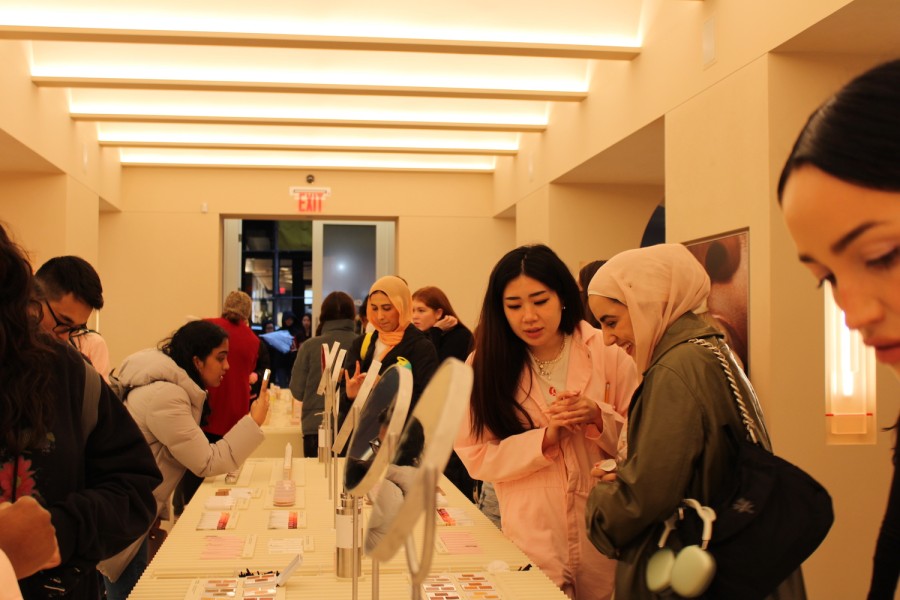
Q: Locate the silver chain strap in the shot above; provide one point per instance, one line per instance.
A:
(739, 398)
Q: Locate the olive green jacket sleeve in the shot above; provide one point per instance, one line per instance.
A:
(666, 425)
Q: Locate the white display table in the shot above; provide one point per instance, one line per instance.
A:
(282, 426)
(248, 542)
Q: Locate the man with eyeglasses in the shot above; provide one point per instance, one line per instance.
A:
(69, 446)
(71, 291)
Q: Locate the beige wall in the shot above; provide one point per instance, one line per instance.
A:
(728, 127)
(161, 255)
(158, 268)
(585, 222)
(110, 179)
(82, 223)
(717, 170)
(533, 218)
(625, 96)
(857, 476)
(33, 207)
(590, 222)
(50, 215)
(39, 118)
(724, 151)
(455, 254)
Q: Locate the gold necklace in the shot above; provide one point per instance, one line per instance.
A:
(545, 367)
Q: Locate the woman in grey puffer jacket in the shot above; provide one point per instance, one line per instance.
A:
(167, 393)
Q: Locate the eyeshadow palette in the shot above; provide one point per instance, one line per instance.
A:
(460, 586)
(261, 587)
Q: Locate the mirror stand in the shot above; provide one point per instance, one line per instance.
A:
(348, 551)
(390, 447)
(419, 566)
(376, 584)
(333, 430)
(334, 491)
(326, 426)
(330, 378)
(357, 544)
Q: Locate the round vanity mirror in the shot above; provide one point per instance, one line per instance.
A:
(424, 446)
(381, 418)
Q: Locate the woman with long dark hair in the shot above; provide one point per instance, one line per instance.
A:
(840, 191)
(548, 402)
(166, 395)
(228, 402)
(336, 324)
(67, 442)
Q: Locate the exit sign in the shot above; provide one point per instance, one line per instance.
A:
(310, 200)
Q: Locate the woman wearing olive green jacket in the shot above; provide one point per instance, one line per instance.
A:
(648, 302)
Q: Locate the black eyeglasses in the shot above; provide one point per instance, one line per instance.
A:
(75, 335)
(64, 328)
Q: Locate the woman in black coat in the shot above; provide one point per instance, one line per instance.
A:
(392, 341)
(433, 315)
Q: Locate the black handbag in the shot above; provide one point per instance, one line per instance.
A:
(770, 520)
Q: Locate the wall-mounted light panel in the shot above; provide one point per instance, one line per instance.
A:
(849, 381)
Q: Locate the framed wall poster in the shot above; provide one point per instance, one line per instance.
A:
(726, 258)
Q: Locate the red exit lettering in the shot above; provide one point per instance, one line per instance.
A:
(310, 203)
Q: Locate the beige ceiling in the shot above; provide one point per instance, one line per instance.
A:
(353, 84)
(399, 84)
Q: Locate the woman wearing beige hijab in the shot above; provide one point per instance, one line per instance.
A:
(651, 302)
(389, 310)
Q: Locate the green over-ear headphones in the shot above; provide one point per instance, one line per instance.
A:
(689, 572)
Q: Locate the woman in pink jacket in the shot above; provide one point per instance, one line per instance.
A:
(548, 402)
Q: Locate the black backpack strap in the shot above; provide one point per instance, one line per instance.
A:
(91, 402)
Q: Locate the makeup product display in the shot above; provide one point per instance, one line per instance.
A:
(244, 531)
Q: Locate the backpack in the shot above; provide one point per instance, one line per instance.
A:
(90, 403)
(120, 389)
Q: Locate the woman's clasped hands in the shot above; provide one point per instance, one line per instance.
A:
(570, 409)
